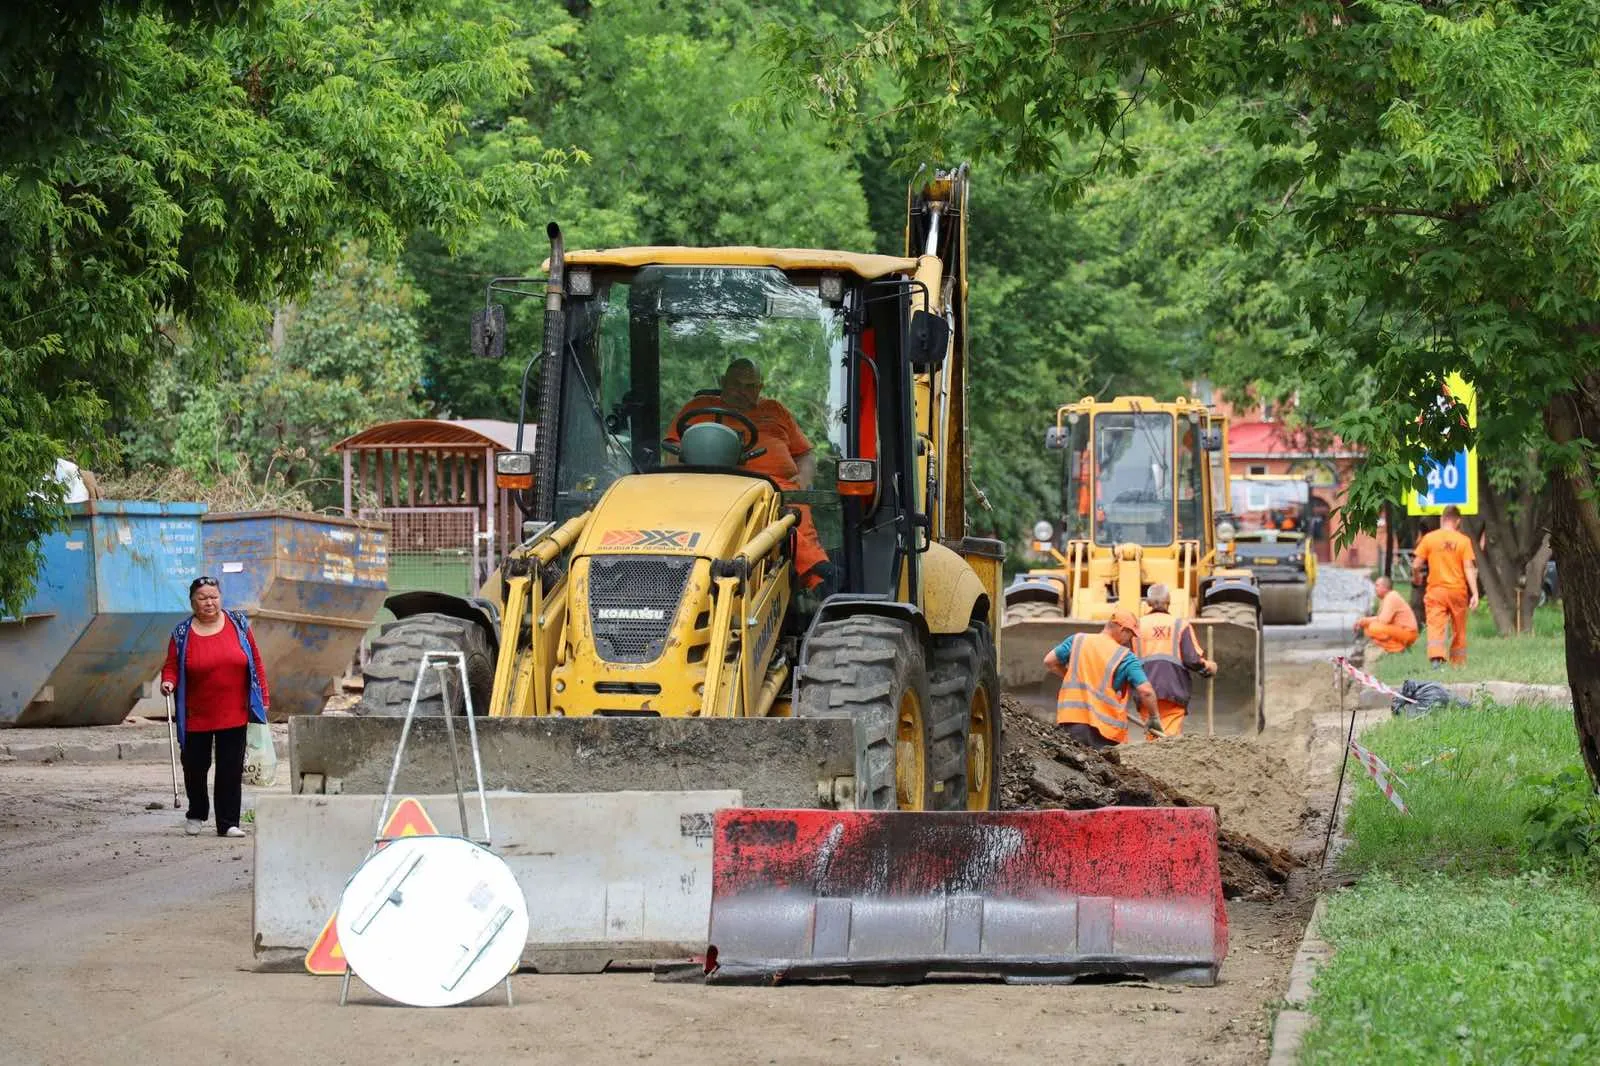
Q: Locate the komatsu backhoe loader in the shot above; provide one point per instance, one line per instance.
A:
(1144, 500)
(657, 579)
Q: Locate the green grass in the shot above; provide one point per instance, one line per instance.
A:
(1473, 935)
(1473, 777)
(1493, 970)
(1539, 658)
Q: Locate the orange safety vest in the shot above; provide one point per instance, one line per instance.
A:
(1087, 695)
(1161, 638)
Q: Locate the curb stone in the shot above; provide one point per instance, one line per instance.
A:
(1292, 1023)
(133, 751)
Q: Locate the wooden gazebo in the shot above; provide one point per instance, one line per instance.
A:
(432, 480)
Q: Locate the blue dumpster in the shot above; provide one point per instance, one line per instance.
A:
(311, 585)
(113, 585)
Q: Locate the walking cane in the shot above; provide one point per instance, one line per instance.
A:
(172, 748)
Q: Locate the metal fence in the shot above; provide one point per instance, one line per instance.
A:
(436, 549)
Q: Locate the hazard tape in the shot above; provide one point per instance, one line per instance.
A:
(1368, 680)
(1380, 773)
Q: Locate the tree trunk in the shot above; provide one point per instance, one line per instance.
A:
(1572, 419)
(1516, 547)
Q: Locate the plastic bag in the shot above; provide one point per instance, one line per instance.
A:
(1429, 696)
(260, 757)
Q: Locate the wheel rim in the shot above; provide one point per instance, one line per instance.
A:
(910, 765)
(980, 740)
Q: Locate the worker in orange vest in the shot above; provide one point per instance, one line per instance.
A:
(1394, 627)
(1169, 652)
(1452, 586)
(1099, 671)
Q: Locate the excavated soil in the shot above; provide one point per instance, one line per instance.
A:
(1253, 789)
(1043, 770)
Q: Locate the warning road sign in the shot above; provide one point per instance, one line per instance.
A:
(408, 819)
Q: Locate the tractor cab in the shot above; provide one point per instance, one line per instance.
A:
(650, 334)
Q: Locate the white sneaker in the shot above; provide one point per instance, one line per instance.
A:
(193, 827)
(234, 831)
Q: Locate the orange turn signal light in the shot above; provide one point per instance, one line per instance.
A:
(513, 481)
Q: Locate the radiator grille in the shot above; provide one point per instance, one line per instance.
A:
(633, 600)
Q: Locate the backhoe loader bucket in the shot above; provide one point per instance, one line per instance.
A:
(1025, 896)
(774, 762)
(1231, 702)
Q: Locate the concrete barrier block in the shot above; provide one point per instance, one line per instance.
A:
(610, 877)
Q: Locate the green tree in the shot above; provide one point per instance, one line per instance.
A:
(220, 167)
(651, 103)
(346, 356)
(1442, 205)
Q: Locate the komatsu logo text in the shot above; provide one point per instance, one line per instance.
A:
(630, 614)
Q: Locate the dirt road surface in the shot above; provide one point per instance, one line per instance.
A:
(126, 941)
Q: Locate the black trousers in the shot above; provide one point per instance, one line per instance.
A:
(1087, 735)
(230, 774)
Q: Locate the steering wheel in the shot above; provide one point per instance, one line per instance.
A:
(747, 438)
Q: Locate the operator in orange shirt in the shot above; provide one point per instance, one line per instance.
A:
(1452, 586)
(788, 460)
(1394, 627)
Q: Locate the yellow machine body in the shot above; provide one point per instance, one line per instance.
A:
(1155, 521)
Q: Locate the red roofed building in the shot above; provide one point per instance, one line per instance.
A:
(1260, 443)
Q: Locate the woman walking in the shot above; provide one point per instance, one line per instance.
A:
(215, 668)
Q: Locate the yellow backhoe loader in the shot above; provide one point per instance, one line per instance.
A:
(1144, 500)
(658, 577)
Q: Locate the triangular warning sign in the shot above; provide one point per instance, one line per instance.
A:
(408, 819)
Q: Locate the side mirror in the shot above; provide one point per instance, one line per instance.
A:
(1211, 438)
(930, 339)
(489, 332)
(1055, 438)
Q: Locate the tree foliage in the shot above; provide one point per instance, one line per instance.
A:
(222, 165)
(1441, 203)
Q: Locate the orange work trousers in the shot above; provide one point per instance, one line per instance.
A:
(808, 550)
(1171, 719)
(1391, 638)
(1447, 607)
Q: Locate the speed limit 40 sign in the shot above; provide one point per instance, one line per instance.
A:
(1454, 482)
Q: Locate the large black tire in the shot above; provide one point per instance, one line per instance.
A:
(397, 652)
(1030, 611)
(872, 671)
(967, 725)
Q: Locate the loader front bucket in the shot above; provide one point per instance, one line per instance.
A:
(1024, 644)
(1025, 896)
(1231, 702)
(773, 762)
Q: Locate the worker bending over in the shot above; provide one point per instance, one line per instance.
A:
(1452, 586)
(1098, 671)
(1169, 652)
(1394, 627)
